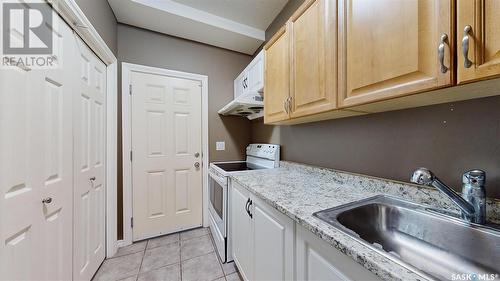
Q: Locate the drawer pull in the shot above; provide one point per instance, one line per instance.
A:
(444, 40)
(465, 46)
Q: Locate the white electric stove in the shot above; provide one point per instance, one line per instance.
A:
(258, 156)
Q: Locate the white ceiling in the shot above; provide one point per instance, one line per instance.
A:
(237, 25)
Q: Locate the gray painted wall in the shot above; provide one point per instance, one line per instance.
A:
(449, 138)
(103, 19)
(149, 48)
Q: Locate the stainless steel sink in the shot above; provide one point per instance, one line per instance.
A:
(435, 245)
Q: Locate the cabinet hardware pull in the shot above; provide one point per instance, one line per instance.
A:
(444, 40)
(290, 99)
(92, 179)
(246, 206)
(250, 213)
(47, 200)
(465, 46)
(284, 105)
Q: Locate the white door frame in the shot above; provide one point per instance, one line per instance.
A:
(127, 69)
(76, 19)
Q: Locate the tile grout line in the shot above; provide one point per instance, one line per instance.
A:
(143, 254)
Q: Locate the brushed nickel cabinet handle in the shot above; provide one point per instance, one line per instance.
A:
(444, 40)
(290, 104)
(465, 46)
(285, 105)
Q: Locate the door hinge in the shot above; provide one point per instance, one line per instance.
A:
(132, 222)
(130, 155)
(130, 89)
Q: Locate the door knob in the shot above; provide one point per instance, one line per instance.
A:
(196, 165)
(47, 200)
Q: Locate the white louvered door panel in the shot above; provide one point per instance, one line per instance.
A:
(36, 163)
(166, 136)
(89, 142)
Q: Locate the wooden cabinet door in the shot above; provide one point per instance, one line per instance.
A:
(241, 231)
(273, 243)
(276, 77)
(482, 41)
(313, 32)
(389, 48)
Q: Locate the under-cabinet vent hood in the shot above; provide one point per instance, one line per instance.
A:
(250, 105)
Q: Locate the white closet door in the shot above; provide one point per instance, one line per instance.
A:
(89, 141)
(36, 164)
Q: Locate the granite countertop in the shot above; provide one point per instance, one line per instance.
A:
(299, 190)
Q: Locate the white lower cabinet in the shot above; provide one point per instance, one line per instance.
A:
(269, 246)
(319, 261)
(263, 238)
(241, 231)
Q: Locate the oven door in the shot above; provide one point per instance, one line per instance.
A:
(217, 209)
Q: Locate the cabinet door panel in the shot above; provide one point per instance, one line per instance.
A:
(484, 39)
(276, 77)
(317, 260)
(256, 74)
(273, 244)
(241, 231)
(389, 48)
(314, 77)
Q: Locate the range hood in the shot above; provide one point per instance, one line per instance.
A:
(249, 105)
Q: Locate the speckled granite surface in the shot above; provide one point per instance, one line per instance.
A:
(299, 190)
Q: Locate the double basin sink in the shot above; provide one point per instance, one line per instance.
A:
(436, 246)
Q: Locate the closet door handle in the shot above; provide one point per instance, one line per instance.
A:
(444, 40)
(465, 46)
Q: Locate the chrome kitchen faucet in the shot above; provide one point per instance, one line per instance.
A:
(472, 203)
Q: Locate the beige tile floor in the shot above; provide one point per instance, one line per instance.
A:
(185, 256)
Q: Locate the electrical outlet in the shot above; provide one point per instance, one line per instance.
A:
(220, 145)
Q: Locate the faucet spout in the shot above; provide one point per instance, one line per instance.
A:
(424, 176)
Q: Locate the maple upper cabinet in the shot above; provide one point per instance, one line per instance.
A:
(277, 77)
(390, 48)
(478, 39)
(313, 35)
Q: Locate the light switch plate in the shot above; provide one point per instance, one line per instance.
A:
(220, 145)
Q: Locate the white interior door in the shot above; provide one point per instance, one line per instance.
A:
(166, 145)
(89, 142)
(36, 164)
